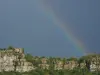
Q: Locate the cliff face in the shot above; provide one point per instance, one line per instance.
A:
(13, 60)
(92, 64)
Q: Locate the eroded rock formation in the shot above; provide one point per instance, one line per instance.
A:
(13, 60)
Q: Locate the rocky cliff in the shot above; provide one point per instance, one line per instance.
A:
(14, 60)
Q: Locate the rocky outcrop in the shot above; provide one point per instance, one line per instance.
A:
(95, 64)
(70, 65)
(13, 60)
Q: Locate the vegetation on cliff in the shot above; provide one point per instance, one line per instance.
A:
(52, 72)
(85, 65)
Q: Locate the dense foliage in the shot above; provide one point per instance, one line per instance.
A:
(52, 72)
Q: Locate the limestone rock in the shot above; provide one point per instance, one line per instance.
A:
(13, 60)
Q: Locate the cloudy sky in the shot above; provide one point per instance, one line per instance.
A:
(30, 24)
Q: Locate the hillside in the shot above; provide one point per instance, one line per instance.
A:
(14, 59)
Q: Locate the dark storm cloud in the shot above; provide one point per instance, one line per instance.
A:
(22, 24)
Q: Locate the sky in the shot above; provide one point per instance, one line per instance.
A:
(30, 24)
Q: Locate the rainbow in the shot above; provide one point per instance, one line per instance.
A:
(48, 11)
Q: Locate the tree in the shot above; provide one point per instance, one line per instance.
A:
(29, 57)
(88, 62)
(36, 62)
(81, 60)
(10, 47)
(23, 50)
(64, 62)
(51, 62)
(72, 59)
